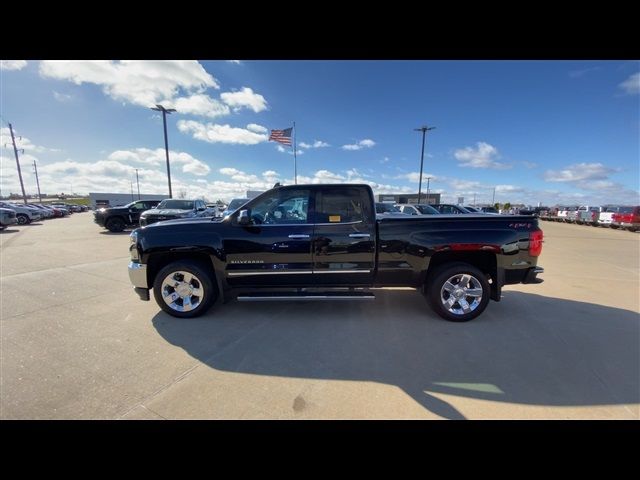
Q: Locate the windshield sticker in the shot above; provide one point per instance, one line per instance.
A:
(334, 218)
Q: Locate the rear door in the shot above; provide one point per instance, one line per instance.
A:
(344, 236)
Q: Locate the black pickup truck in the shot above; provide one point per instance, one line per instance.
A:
(302, 242)
(116, 219)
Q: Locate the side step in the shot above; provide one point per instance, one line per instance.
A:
(272, 296)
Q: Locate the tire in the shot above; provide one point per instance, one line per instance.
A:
(23, 219)
(452, 274)
(115, 224)
(172, 300)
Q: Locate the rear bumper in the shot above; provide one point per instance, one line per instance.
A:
(532, 275)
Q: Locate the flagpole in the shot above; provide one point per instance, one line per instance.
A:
(295, 159)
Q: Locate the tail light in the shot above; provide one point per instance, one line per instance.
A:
(535, 243)
(594, 216)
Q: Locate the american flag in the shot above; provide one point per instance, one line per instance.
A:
(281, 136)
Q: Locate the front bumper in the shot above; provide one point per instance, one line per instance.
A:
(138, 276)
(8, 221)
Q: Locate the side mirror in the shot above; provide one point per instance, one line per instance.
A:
(201, 209)
(244, 217)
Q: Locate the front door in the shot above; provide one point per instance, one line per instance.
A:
(275, 249)
(344, 237)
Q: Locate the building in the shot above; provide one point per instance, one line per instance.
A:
(106, 200)
(434, 198)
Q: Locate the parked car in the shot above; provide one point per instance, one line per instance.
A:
(24, 215)
(171, 208)
(7, 218)
(234, 204)
(63, 208)
(605, 217)
(450, 209)
(472, 209)
(627, 217)
(276, 241)
(417, 209)
(489, 210)
(116, 219)
(387, 209)
(588, 215)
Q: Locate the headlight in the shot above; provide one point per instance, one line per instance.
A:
(133, 238)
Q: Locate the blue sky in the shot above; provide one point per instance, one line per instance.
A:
(556, 132)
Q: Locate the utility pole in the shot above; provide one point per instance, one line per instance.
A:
(131, 183)
(474, 199)
(15, 151)
(428, 202)
(160, 108)
(35, 169)
(424, 130)
(138, 182)
(493, 200)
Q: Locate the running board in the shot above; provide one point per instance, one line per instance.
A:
(273, 296)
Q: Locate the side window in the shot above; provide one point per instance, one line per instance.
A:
(139, 206)
(340, 205)
(281, 207)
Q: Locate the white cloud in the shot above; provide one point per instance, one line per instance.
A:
(316, 144)
(579, 172)
(139, 82)
(214, 133)
(289, 150)
(199, 104)
(483, 156)
(631, 85)
(21, 142)
(237, 62)
(384, 160)
(61, 97)
(366, 143)
(254, 127)
(414, 177)
(529, 164)
(238, 175)
(244, 98)
(157, 158)
(12, 64)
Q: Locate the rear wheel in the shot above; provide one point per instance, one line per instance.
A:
(115, 225)
(458, 292)
(185, 289)
(23, 219)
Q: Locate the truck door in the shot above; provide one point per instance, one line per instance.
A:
(344, 236)
(275, 249)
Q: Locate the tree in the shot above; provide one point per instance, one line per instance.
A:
(507, 206)
(182, 193)
(496, 206)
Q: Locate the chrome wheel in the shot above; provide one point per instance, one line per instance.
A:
(461, 294)
(182, 291)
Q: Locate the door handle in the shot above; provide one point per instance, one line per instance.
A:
(299, 236)
(359, 235)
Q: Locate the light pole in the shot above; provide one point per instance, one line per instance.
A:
(428, 202)
(160, 108)
(138, 182)
(424, 130)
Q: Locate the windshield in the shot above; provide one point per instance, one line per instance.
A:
(427, 209)
(386, 208)
(176, 204)
(237, 203)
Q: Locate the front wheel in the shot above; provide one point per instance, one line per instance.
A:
(185, 289)
(23, 219)
(115, 225)
(458, 292)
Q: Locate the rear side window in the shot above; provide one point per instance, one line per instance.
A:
(342, 205)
